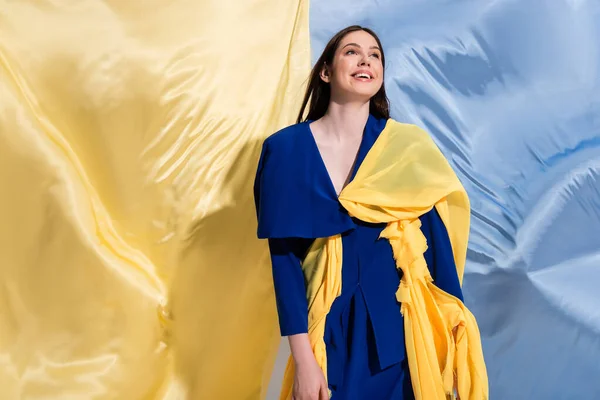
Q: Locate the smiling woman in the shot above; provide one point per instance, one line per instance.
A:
(366, 317)
(348, 47)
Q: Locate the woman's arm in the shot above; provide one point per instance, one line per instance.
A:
(301, 350)
(292, 307)
(440, 261)
(439, 255)
(288, 279)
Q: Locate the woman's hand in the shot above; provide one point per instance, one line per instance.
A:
(309, 380)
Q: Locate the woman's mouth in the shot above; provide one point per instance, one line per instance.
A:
(362, 76)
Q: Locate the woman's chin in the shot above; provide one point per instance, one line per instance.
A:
(354, 95)
(361, 95)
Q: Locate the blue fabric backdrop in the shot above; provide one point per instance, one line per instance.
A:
(511, 92)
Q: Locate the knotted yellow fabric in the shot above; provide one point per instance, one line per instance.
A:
(403, 176)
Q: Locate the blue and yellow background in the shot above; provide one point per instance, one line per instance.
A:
(129, 136)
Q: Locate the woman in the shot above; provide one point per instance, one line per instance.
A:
(367, 275)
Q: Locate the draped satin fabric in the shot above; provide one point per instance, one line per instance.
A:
(129, 136)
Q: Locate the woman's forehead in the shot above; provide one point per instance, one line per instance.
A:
(359, 39)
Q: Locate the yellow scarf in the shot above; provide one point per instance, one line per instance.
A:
(403, 176)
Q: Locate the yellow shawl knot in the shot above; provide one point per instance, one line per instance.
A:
(403, 176)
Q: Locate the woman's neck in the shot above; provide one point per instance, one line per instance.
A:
(345, 121)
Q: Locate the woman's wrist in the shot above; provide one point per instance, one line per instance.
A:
(301, 350)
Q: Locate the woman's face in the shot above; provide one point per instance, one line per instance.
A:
(356, 73)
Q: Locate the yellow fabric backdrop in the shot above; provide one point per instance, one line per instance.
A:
(129, 136)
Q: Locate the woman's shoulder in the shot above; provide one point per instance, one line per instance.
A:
(407, 132)
(393, 123)
(286, 145)
(287, 137)
(284, 148)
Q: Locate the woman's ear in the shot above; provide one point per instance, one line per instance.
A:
(325, 74)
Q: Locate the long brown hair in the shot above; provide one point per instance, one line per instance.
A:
(318, 92)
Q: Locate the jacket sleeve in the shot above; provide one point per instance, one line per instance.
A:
(439, 255)
(290, 288)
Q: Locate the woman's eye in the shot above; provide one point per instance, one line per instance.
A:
(350, 52)
(375, 55)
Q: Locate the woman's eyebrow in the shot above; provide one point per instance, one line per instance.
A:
(358, 45)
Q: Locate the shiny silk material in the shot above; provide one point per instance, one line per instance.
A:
(510, 90)
(402, 177)
(129, 136)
